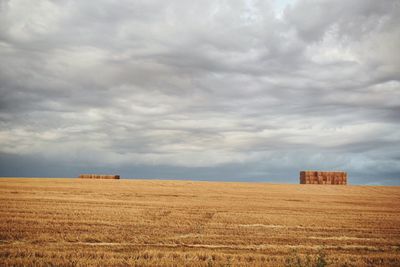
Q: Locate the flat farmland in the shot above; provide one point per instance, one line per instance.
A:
(78, 222)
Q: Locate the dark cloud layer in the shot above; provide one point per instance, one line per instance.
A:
(227, 90)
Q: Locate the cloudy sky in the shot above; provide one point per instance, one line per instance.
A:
(212, 90)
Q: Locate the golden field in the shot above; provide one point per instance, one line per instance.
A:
(78, 222)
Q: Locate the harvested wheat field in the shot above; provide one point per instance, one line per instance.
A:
(79, 222)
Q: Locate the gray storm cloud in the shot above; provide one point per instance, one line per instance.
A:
(228, 90)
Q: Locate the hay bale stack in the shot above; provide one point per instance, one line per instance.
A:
(322, 177)
(98, 176)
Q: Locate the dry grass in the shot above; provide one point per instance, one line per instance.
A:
(78, 222)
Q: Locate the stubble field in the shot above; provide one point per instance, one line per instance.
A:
(77, 222)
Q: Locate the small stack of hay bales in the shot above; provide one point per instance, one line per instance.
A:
(98, 176)
(322, 177)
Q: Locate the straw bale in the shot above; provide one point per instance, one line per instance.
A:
(323, 177)
(98, 176)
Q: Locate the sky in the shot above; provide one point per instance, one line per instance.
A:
(206, 90)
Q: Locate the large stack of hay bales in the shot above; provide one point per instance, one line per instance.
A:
(98, 176)
(322, 177)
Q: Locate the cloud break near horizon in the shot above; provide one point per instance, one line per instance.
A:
(211, 90)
